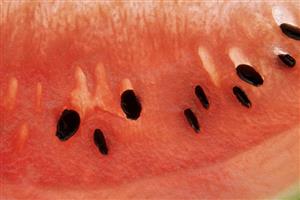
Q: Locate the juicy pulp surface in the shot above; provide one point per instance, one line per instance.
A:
(76, 55)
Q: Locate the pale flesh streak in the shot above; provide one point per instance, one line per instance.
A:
(208, 64)
(10, 98)
(126, 85)
(39, 91)
(103, 94)
(80, 96)
(237, 57)
(278, 51)
(22, 137)
(83, 100)
(282, 15)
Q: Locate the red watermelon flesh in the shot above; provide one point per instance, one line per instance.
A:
(62, 55)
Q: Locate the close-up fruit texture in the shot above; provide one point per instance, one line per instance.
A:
(149, 100)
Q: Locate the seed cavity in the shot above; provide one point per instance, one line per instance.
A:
(100, 141)
(68, 124)
(287, 59)
(201, 96)
(241, 96)
(192, 119)
(130, 105)
(291, 31)
(249, 75)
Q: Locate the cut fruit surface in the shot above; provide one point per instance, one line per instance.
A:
(83, 56)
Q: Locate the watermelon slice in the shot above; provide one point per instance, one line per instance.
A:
(98, 100)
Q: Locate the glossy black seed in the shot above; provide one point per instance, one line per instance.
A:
(291, 31)
(130, 105)
(68, 124)
(100, 142)
(241, 96)
(201, 96)
(249, 75)
(288, 60)
(192, 119)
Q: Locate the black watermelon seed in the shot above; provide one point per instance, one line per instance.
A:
(68, 124)
(192, 119)
(288, 60)
(291, 31)
(249, 75)
(201, 96)
(241, 96)
(100, 142)
(130, 105)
